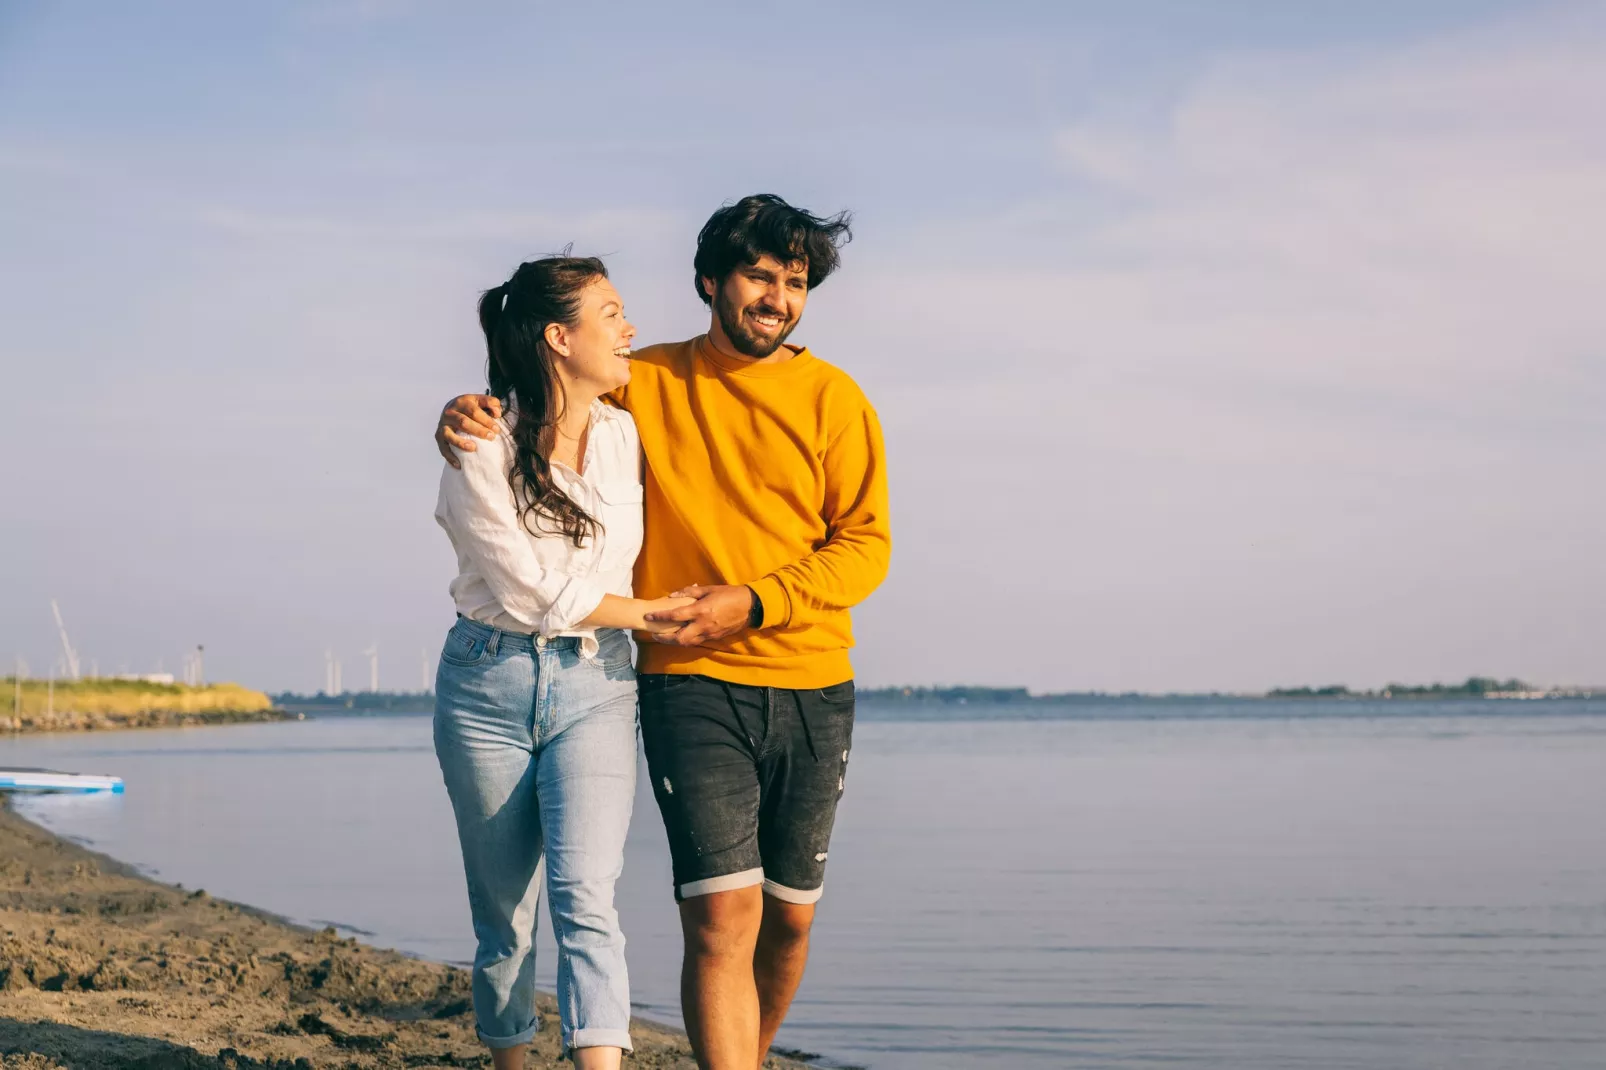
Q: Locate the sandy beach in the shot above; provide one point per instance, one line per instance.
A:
(101, 967)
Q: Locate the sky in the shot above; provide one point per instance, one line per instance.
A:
(1218, 347)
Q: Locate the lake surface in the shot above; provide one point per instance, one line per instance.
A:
(1154, 885)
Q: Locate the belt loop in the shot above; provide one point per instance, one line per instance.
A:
(495, 641)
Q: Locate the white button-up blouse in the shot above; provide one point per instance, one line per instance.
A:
(544, 584)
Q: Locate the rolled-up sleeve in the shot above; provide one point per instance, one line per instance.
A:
(484, 519)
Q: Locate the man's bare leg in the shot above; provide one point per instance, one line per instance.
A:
(778, 961)
(718, 995)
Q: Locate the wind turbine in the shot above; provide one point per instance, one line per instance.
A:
(373, 667)
(68, 653)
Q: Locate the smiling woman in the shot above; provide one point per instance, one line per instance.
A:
(535, 713)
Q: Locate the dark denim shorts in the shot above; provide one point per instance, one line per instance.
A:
(747, 780)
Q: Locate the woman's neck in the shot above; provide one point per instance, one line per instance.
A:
(576, 417)
(570, 430)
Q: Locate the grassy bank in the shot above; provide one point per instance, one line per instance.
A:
(79, 705)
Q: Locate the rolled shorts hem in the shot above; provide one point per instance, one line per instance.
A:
(799, 896)
(725, 883)
(524, 1036)
(598, 1038)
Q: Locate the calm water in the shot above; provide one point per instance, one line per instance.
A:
(1209, 891)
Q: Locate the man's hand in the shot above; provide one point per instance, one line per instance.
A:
(463, 420)
(719, 611)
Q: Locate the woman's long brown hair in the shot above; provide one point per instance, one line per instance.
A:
(515, 316)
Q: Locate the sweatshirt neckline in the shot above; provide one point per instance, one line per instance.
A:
(733, 366)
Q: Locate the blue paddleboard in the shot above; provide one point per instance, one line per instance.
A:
(50, 780)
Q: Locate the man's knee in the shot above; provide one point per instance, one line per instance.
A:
(722, 924)
(787, 923)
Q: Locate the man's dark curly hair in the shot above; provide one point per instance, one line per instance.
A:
(739, 234)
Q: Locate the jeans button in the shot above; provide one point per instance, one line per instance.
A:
(540, 642)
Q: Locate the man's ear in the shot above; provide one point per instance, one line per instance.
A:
(557, 338)
(708, 285)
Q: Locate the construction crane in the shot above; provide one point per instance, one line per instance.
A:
(67, 651)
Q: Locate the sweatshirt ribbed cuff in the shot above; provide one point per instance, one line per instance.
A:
(777, 603)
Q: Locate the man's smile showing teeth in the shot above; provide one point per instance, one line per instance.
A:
(769, 323)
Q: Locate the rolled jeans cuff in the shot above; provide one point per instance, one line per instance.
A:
(598, 1038)
(523, 1036)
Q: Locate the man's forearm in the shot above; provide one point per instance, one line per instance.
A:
(836, 577)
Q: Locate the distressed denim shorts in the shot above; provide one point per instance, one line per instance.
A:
(747, 780)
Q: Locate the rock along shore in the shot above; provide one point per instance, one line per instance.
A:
(101, 967)
(76, 721)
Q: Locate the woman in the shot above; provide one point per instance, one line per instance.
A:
(535, 708)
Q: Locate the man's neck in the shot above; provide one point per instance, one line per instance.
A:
(722, 344)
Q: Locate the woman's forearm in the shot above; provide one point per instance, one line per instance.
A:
(631, 613)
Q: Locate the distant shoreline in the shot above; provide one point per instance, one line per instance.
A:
(1012, 695)
(423, 702)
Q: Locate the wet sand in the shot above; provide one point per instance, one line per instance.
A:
(103, 968)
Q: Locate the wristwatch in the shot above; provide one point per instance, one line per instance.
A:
(755, 616)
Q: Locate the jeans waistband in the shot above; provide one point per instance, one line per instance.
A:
(500, 639)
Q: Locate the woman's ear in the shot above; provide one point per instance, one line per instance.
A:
(557, 338)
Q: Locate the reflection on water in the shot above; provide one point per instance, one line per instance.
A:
(1407, 892)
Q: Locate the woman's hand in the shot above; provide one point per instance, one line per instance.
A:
(463, 420)
(661, 605)
(631, 614)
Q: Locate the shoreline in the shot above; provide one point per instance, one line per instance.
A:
(101, 966)
(65, 722)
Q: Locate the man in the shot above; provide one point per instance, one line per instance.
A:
(766, 501)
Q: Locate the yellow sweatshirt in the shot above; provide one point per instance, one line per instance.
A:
(770, 475)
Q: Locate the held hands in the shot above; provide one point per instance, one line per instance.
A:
(716, 612)
(658, 627)
(463, 420)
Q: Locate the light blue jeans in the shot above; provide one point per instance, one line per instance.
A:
(538, 749)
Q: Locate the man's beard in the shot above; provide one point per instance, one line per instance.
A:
(746, 342)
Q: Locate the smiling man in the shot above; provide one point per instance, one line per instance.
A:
(766, 500)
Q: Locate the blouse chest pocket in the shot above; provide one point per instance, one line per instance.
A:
(621, 523)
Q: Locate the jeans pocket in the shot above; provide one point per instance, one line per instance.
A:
(837, 694)
(613, 650)
(828, 713)
(656, 683)
(464, 648)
